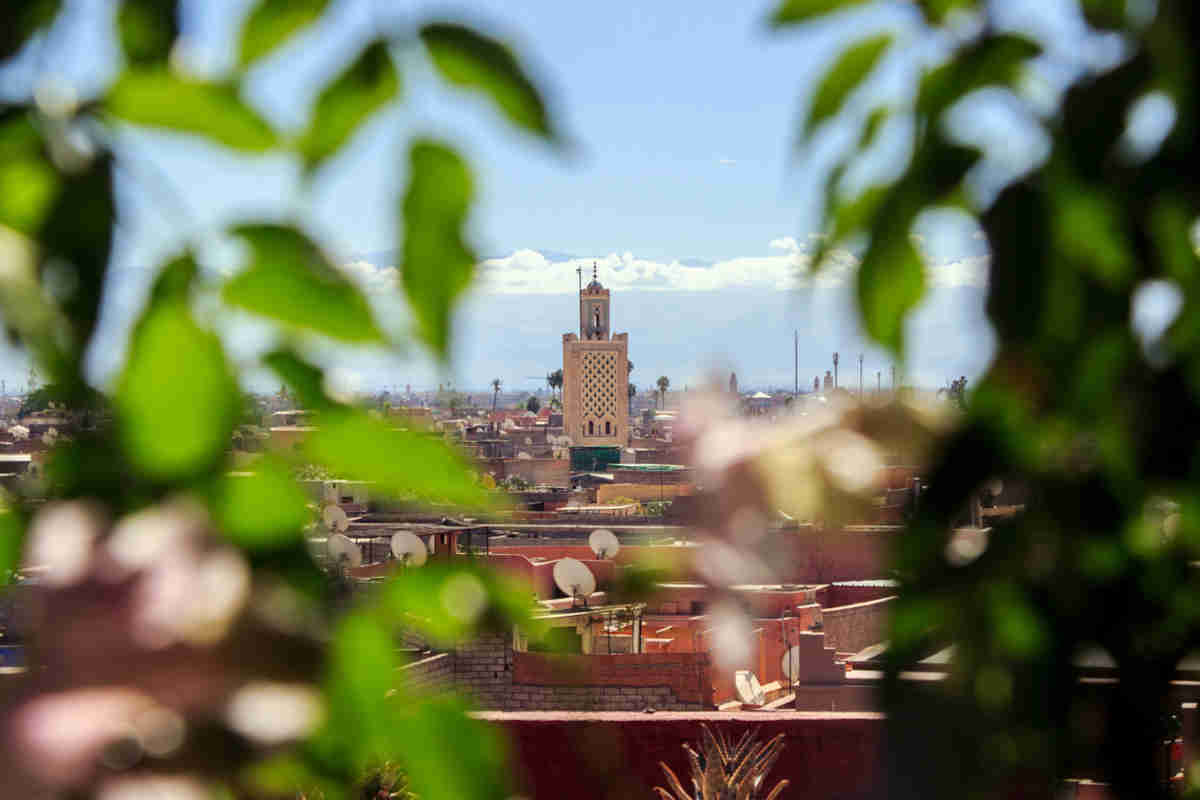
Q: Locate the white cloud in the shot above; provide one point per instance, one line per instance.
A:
(726, 162)
(530, 272)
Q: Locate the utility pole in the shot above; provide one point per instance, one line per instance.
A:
(893, 378)
(835, 370)
(860, 382)
(878, 382)
(796, 362)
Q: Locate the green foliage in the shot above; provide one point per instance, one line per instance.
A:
(533, 404)
(290, 280)
(23, 20)
(1097, 429)
(468, 59)
(438, 263)
(175, 415)
(177, 396)
(262, 510)
(363, 88)
(271, 23)
(400, 462)
(148, 29)
(41, 398)
(847, 73)
(159, 98)
(793, 11)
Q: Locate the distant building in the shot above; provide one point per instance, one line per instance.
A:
(596, 375)
(733, 386)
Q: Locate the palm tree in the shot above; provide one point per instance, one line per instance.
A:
(555, 380)
(495, 392)
(726, 769)
(664, 383)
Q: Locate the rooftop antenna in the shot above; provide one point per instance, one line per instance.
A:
(408, 549)
(335, 519)
(604, 543)
(344, 552)
(575, 580)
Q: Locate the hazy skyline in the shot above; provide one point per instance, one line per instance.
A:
(682, 177)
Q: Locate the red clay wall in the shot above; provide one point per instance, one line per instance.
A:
(593, 756)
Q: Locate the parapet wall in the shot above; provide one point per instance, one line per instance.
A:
(679, 681)
(849, 629)
(598, 756)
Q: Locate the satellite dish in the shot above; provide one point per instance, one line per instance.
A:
(604, 543)
(790, 663)
(574, 578)
(335, 519)
(749, 690)
(344, 551)
(408, 549)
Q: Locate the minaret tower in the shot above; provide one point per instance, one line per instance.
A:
(596, 374)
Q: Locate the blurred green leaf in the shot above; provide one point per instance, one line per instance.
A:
(992, 61)
(263, 509)
(855, 215)
(1171, 229)
(76, 243)
(28, 181)
(362, 667)
(23, 19)
(1088, 230)
(426, 599)
(793, 11)
(176, 401)
(286, 775)
(158, 98)
(305, 380)
(290, 280)
(12, 541)
(891, 282)
(1018, 630)
(436, 727)
(845, 75)
(471, 60)
(400, 462)
(938, 10)
(272, 22)
(874, 124)
(148, 29)
(438, 264)
(366, 86)
(1111, 14)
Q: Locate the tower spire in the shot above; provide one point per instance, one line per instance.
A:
(595, 276)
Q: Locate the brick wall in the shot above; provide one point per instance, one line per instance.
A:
(432, 674)
(483, 669)
(849, 629)
(678, 681)
(540, 471)
(649, 477)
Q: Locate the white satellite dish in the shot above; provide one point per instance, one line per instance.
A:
(749, 690)
(344, 551)
(335, 519)
(573, 578)
(408, 549)
(604, 543)
(790, 663)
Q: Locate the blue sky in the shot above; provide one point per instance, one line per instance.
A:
(680, 117)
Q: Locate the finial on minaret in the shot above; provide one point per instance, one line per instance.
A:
(594, 275)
